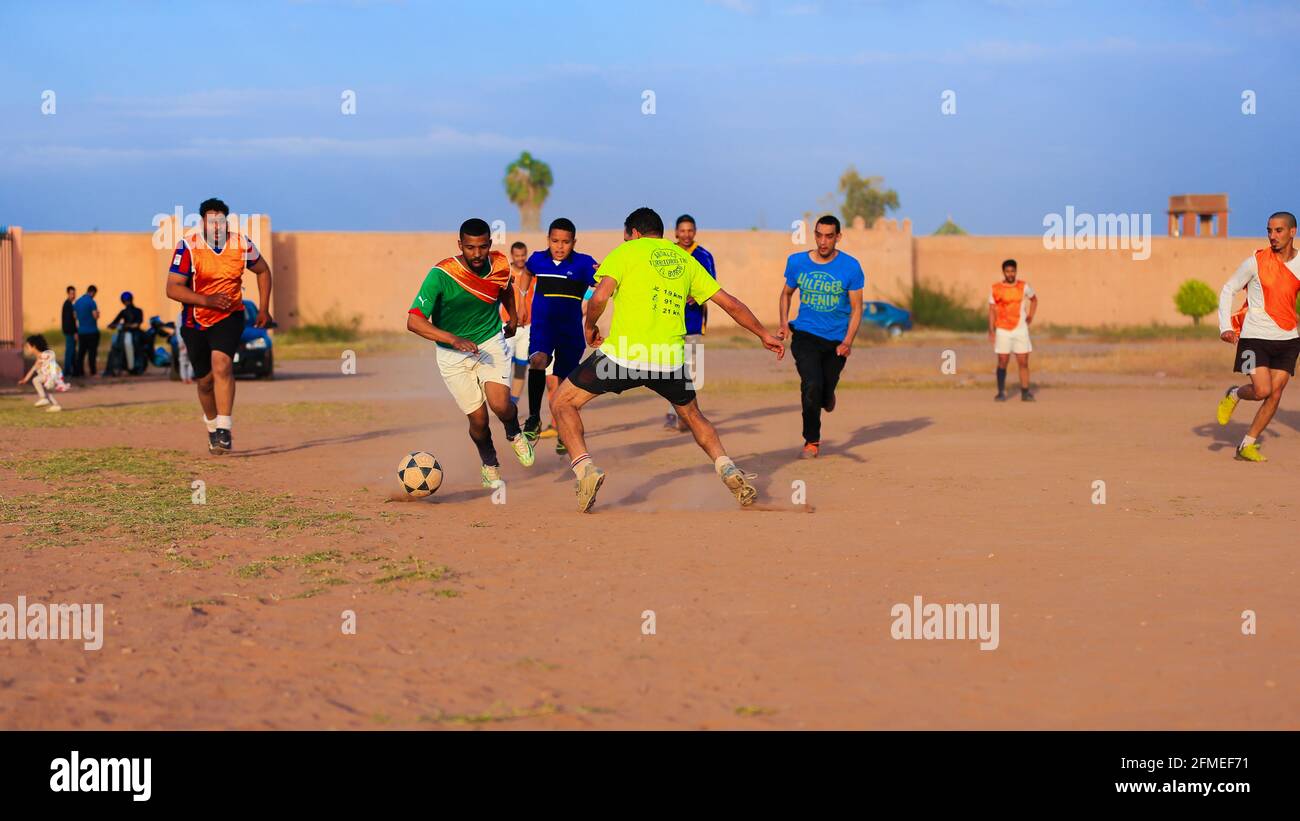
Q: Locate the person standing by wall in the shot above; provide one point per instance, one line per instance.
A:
(87, 332)
(70, 333)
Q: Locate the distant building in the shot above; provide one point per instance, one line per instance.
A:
(1204, 209)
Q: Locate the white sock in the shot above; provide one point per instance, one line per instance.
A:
(1233, 393)
(224, 422)
(1246, 440)
(211, 424)
(722, 463)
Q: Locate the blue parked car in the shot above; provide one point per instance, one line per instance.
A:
(893, 319)
(255, 354)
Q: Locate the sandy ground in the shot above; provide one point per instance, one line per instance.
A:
(1122, 615)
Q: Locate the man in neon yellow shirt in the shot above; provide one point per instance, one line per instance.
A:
(652, 279)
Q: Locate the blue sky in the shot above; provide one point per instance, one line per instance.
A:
(760, 105)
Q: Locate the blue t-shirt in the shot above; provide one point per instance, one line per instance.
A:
(85, 308)
(823, 293)
(560, 286)
(694, 312)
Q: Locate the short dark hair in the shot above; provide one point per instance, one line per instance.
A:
(213, 204)
(38, 342)
(562, 224)
(91, 289)
(829, 219)
(71, 288)
(684, 218)
(1009, 263)
(474, 227)
(645, 222)
(1286, 215)
(518, 244)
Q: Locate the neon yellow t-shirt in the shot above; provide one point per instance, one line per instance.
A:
(654, 277)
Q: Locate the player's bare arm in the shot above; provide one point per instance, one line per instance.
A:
(596, 307)
(421, 326)
(993, 321)
(855, 320)
(783, 330)
(745, 318)
(1033, 309)
(178, 288)
(508, 302)
(262, 269)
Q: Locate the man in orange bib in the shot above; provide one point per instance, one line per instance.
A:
(1264, 329)
(206, 277)
(1012, 304)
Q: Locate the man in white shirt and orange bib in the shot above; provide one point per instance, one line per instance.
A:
(1264, 329)
(1012, 304)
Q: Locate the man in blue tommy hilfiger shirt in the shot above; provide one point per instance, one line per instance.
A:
(830, 286)
(562, 277)
(696, 315)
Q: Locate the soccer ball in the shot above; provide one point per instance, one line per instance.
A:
(419, 473)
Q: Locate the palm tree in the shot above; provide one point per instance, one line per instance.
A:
(528, 182)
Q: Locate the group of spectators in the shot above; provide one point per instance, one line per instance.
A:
(81, 331)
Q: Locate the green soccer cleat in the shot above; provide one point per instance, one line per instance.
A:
(523, 450)
(532, 428)
(491, 475)
(1226, 406)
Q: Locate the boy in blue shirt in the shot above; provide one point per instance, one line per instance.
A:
(561, 277)
(830, 285)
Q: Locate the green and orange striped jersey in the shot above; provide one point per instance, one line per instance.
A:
(461, 302)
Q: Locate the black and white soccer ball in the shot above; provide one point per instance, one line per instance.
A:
(420, 474)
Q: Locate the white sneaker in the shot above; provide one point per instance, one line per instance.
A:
(40, 403)
(52, 408)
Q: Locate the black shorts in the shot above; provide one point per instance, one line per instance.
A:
(599, 374)
(1274, 354)
(201, 342)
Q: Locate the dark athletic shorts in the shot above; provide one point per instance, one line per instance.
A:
(1274, 354)
(201, 342)
(599, 374)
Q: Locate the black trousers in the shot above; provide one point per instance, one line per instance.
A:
(819, 372)
(88, 351)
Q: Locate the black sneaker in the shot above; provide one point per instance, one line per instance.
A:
(532, 428)
(1026, 396)
(828, 404)
(1001, 397)
(223, 440)
(559, 447)
(212, 442)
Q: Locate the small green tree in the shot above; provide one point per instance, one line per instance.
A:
(863, 197)
(1196, 299)
(949, 228)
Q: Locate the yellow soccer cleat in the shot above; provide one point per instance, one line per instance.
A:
(1226, 406)
(1250, 453)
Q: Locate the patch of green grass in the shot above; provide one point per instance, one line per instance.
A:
(491, 716)
(307, 561)
(537, 664)
(447, 593)
(332, 327)
(413, 570)
(1133, 333)
(141, 495)
(17, 413)
(750, 711)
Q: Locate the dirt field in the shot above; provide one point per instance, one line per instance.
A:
(529, 615)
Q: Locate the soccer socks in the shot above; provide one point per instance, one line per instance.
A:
(512, 426)
(722, 463)
(487, 452)
(1246, 440)
(1233, 393)
(536, 387)
(579, 465)
(224, 422)
(1002, 380)
(211, 424)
